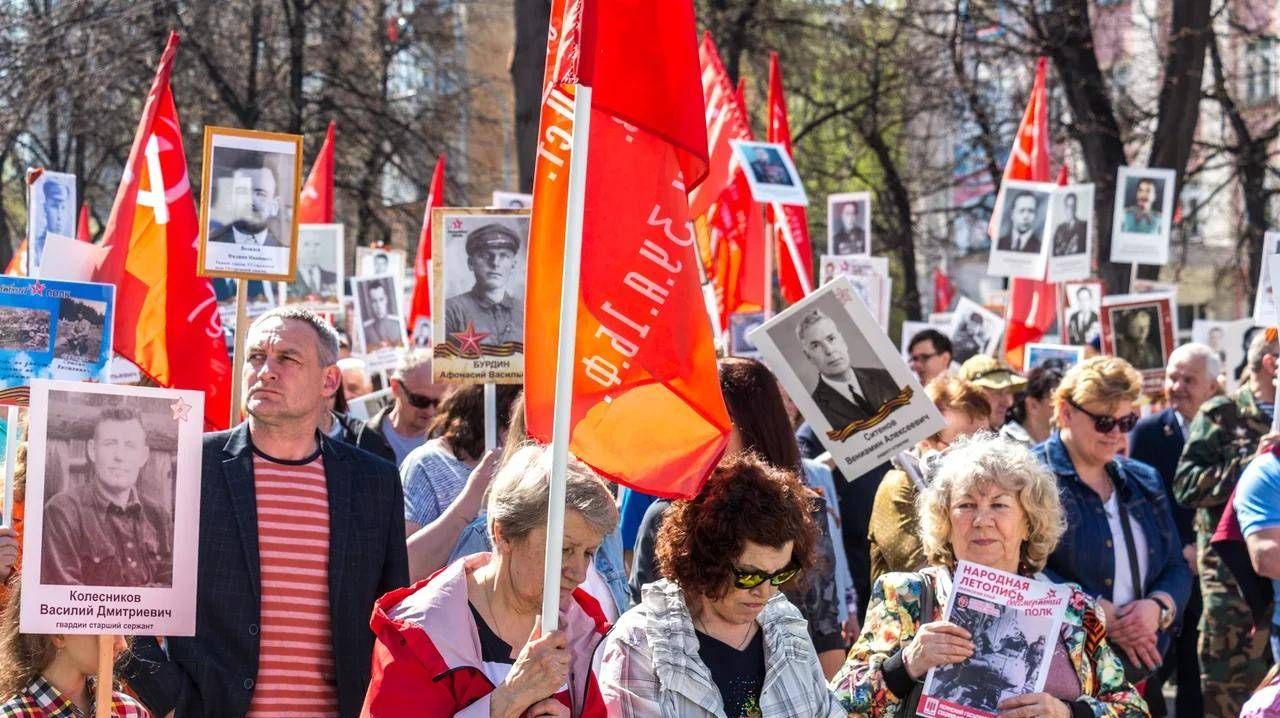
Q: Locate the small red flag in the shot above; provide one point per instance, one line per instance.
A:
(315, 203)
(166, 317)
(943, 291)
(794, 273)
(420, 305)
(82, 227)
(647, 409)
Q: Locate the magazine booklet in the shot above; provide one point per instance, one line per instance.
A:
(1015, 623)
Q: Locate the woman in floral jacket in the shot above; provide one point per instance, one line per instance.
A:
(990, 504)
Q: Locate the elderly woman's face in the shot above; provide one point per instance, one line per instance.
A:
(1083, 439)
(988, 527)
(742, 605)
(523, 559)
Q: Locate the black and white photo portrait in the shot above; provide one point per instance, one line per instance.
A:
(1071, 226)
(1143, 215)
(247, 209)
(380, 323)
(973, 330)
(1022, 226)
(1070, 233)
(1080, 318)
(81, 325)
(318, 279)
(849, 223)
(1137, 336)
(51, 205)
(770, 172)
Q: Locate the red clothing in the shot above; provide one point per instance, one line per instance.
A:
(426, 661)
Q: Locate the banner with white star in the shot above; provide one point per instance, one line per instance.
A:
(53, 330)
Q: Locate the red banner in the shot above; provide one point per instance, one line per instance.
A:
(82, 226)
(315, 203)
(647, 409)
(420, 305)
(794, 224)
(166, 317)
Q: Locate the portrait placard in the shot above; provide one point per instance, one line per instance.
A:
(1139, 329)
(1264, 303)
(1229, 340)
(69, 259)
(54, 330)
(770, 172)
(1143, 216)
(378, 322)
(51, 209)
(1071, 233)
(1021, 246)
(366, 406)
(870, 277)
(512, 200)
(478, 320)
(1078, 318)
(844, 374)
(1150, 286)
(974, 330)
(1056, 356)
(740, 325)
(247, 225)
(849, 223)
(112, 510)
(319, 279)
(374, 261)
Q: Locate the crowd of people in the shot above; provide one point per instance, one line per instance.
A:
(394, 567)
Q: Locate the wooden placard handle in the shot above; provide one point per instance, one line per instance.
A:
(106, 676)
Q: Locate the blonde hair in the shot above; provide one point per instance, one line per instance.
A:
(981, 460)
(22, 655)
(520, 493)
(1102, 379)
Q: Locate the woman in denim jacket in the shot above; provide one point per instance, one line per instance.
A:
(1094, 410)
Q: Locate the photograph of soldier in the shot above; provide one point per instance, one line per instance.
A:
(1071, 232)
(768, 168)
(53, 210)
(317, 278)
(970, 337)
(844, 393)
(109, 491)
(374, 261)
(484, 302)
(24, 329)
(1023, 224)
(1142, 205)
(848, 224)
(1081, 314)
(1138, 336)
(80, 328)
(378, 309)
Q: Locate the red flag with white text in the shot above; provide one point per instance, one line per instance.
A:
(166, 317)
(647, 409)
(315, 202)
(420, 304)
(794, 273)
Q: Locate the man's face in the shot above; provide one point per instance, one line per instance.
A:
(1215, 338)
(355, 382)
(284, 379)
(927, 362)
(491, 266)
(1024, 213)
(824, 346)
(310, 249)
(119, 451)
(1188, 385)
(418, 382)
(1001, 401)
(1139, 327)
(381, 265)
(254, 194)
(849, 215)
(1070, 204)
(1146, 194)
(378, 301)
(54, 215)
(1084, 299)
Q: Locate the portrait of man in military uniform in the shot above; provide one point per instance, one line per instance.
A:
(1137, 337)
(488, 309)
(378, 307)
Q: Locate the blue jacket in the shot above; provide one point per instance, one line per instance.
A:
(1157, 441)
(1085, 556)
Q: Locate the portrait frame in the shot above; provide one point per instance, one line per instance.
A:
(835, 205)
(1230, 336)
(505, 200)
(38, 180)
(966, 340)
(1007, 261)
(365, 406)
(384, 353)
(1067, 309)
(466, 354)
(1150, 356)
(101, 597)
(1039, 354)
(870, 277)
(791, 191)
(333, 237)
(1066, 265)
(227, 150)
(896, 413)
(1142, 247)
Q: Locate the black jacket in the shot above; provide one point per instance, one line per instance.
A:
(877, 387)
(1157, 441)
(363, 435)
(213, 673)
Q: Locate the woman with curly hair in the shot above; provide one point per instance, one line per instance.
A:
(697, 643)
(990, 503)
(49, 675)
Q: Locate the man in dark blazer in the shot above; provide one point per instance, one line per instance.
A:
(844, 394)
(1190, 379)
(289, 373)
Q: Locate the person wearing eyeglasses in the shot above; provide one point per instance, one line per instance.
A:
(1122, 545)
(435, 473)
(715, 636)
(929, 354)
(415, 401)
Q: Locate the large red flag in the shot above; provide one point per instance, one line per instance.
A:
(315, 202)
(647, 409)
(1032, 304)
(166, 317)
(82, 227)
(794, 224)
(420, 305)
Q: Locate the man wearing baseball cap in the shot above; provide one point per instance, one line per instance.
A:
(997, 382)
(487, 308)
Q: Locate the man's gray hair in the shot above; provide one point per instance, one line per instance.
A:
(1196, 350)
(1259, 348)
(521, 491)
(326, 335)
(410, 361)
(810, 318)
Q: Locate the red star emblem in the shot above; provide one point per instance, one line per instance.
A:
(470, 339)
(181, 409)
(37, 289)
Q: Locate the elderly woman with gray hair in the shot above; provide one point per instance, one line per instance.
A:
(468, 640)
(991, 504)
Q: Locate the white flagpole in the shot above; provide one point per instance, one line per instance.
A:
(802, 271)
(564, 358)
(490, 417)
(769, 229)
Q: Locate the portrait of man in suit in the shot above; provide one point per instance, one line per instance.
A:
(768, 168)
(317, 275)
(1082, 326)
(844, 393)
(1023, 225)
(1069, 235)
(847, 234)
(255, 203)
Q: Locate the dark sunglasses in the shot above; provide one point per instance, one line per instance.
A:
(1104, 424)
(751, 579)
(418, 401)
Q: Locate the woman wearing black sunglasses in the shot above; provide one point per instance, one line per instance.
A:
(718, 619)
(1121, 544)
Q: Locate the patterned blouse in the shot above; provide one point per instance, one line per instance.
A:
(894, 615)
(42, 700)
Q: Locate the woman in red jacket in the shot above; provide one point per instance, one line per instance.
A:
(467, 641)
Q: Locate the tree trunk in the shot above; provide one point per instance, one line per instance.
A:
(528, 64)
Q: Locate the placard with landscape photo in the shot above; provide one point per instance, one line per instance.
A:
(54, 330)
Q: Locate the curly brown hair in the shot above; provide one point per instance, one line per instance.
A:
(22, 655)
(745, 499)
(460, 423)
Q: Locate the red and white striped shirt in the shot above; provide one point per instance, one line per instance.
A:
(295, 664)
